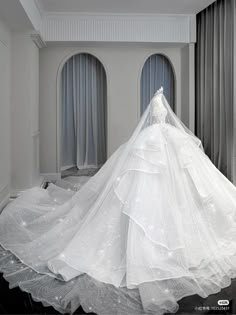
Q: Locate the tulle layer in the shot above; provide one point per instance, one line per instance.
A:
(164, 229)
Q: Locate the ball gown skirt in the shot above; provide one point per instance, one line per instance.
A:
(164, 229)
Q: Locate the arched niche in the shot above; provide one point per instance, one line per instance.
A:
(82, 100)
(157, 71)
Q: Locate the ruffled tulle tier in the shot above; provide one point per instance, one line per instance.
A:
(165, 228)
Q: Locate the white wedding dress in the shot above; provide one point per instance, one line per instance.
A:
(155, 224)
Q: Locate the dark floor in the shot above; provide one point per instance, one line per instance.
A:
(15, 301)
(74, 171)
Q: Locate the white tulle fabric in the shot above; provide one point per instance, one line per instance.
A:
(155, 224)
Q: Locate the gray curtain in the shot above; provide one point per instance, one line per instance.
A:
(214, 83)
(83, 112)
(157, 71)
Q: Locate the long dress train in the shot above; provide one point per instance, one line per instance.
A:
(155, 224)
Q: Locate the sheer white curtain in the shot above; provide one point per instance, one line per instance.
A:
(157, 71)
(83, 112)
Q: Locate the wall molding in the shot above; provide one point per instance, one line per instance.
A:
(38, 40)
(118, 27)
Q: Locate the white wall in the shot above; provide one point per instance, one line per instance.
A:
(188, 85)
(5, 176)
(123, 64)
(19, 103)
(24, 116)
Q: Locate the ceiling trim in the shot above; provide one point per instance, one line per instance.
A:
(187, 7)
(33, 13)
(40, 7)
(38, 40)
(119, 27)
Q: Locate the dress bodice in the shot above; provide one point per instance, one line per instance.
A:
(159, 112)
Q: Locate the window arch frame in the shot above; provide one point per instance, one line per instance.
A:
(149, 55)
(58, 100)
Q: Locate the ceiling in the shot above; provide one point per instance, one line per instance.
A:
(124, 6)
(13, 14)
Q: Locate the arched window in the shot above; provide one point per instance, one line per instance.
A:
(83, 112)
(157, 71)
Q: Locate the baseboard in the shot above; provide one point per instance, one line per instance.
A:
(51, 177)
(4, 197)
(17, 192)
(64, 168)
